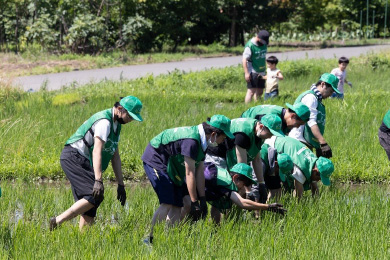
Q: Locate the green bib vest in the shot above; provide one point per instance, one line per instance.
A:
(110, 145)
(265, 110)
(246, 126)
(258, 56)
(321, 116)
(300, 155)
(386, 119)
(176, 169)
(224, 180)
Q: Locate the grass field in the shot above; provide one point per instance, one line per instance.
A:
(346, 222)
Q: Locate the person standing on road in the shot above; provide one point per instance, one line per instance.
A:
(174, 158)
(293, 116)
(253, 62)
(384, 134)
(87, 154)
(308, 169)
(312, 132)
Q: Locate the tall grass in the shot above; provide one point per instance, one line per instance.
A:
(35, 126)
(344, 223)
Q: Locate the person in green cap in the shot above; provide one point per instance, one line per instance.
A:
(249, 135)
(312, 132)
(174, 159)
(308, 169)
(384, 134)
(293, 116)
(87, 154)
(223, 189)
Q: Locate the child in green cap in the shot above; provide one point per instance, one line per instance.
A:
(308, 169)
(312, 134)
(223, 189)
(174, 159)
(87, 154)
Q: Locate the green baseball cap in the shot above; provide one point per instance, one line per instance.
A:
(243, 169)
(301, 110)
(133, 105)
(326, 168)
(285, 165)
(332, 80)
(221, 122)
(273, 123)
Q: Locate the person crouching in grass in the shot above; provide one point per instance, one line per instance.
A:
(174, 158)
(223, 189)
(87, 154)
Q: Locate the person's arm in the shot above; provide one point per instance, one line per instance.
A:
(246, 72)
(298, 189)
(190, 177)
(200, 181)
(314, 189)
(258, 168)
(247, 204)
(279, 75)
(97, 157)
(317, 134)
(117, 167)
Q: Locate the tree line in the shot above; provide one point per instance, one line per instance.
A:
(92, 26)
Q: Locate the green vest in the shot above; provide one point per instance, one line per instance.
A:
(386, 119)
(321, 116)
(224, 180)
(176, 169)
(265, 110)
(110, 145)
(258, 56)
(246, 126)
(300, 155)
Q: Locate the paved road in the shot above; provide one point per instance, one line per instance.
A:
(57, 80)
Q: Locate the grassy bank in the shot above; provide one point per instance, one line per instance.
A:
(35, 126)
(34, 61)
(344, 223)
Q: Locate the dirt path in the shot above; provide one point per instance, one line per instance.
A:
(57, 80)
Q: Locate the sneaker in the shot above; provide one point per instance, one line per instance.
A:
(53, 223)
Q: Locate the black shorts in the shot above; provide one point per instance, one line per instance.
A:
(384, 140)
(256, 81)
(80, 173)
(272, 182)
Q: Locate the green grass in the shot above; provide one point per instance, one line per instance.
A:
(344, 223)
(35, 126)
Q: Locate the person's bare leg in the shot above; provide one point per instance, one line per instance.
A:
(258, 94)
(160, 215)
(86, 221)
(215, 215)
(185, 210)
(249, 94)
(173, 217)
(274, 194)
(78, 208)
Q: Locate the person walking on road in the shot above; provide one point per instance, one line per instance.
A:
(174, 158)
(253, 62)
(87, 154)
(312, 133)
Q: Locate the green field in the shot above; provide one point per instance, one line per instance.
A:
(346, 222)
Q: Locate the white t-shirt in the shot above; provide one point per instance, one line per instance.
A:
(272, 81)
(341, 75)
(101, 129)
(311, 102)
(247, 55)
(298, 175)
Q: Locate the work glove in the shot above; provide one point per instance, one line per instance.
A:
(203, 207)
(277, 208)
(263, 193)
(121, 194)
(325, 150)
(98, 191)
(195, 212)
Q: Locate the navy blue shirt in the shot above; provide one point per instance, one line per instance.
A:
(158, 157)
